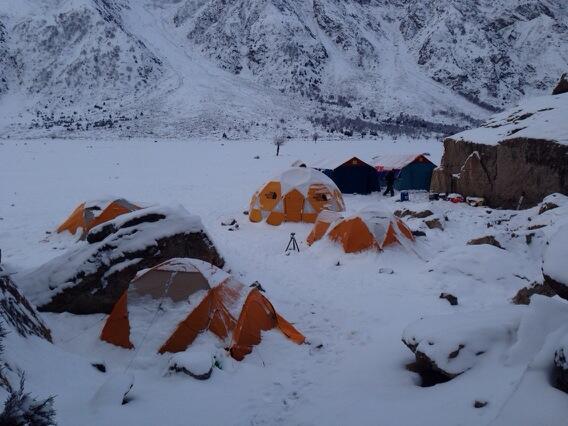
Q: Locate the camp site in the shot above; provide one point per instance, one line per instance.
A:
(283, 213)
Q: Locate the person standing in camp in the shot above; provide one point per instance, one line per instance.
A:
(389, 179)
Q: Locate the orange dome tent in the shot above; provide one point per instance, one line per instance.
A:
(87, 215)
(297, 195)
(323, 222)
(369, 229)
(181, 298)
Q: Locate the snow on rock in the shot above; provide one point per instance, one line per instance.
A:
(91, 275)
(541, 118)
(17, 312)
(554, 265)
(484, 264)
(195, 363)
(452, 344)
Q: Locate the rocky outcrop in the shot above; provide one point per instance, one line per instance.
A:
(503, 173)
(515, 159)
(562, 85)
(17, 312)
(90, 277)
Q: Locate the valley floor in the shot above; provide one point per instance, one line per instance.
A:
(343, 301)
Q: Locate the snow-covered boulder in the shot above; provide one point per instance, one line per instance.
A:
(448, 345)
(195, 363)
(517, 154)
(91, 276)
(554, 266)
(17, 312)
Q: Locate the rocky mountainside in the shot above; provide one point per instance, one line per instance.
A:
(178, 67)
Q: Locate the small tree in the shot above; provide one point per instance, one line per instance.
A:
(21, 409)
(279, 141)
(315, 137)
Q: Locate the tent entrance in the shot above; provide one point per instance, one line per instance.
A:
(293, 206)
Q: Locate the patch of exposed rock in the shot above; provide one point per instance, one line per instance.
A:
(523, 296)
(488, 239)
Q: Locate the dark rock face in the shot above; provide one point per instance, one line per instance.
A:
(561, 289)
(560, 371)
(17, 312)
(488, 239)
(505, 172)
(99, 271)
(562, 86)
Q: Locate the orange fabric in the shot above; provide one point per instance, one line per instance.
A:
(320, 197)
(404, 229)
(78, 220)
(353, 235)
(113, 210)
(275, 218)
(289, 330)
(74, 221)
(258, 315)
(390, 237)
(317, 232)
(117, 326)
(269, 195)
(309, 217)
(210, 314)
(293, 206)
(255, 215)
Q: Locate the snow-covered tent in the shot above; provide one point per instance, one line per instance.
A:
(414, 171)
(89, 214)
(369, 229)
(296, 195)
(168, 306)
(351, 174)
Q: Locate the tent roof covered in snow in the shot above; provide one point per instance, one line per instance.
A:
(168, 306)
(366, 230)
(398, 161)
(296, 195)
(89, 214)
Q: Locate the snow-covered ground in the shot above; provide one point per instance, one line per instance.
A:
(341, 300)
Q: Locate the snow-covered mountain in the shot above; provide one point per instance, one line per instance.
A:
(178, 67)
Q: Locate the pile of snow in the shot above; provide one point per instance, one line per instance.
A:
(301, 178)
(539, 118)
(196, 363)
(522, 335)
(556, 256)
(455, 342)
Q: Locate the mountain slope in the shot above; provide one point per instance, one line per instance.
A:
(173, 68)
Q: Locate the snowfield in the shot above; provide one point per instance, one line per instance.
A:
(343, 301)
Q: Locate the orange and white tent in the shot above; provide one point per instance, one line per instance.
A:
(322, 224)
(369, 230)
(168, 306)
(296, 195)
(89, 214)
